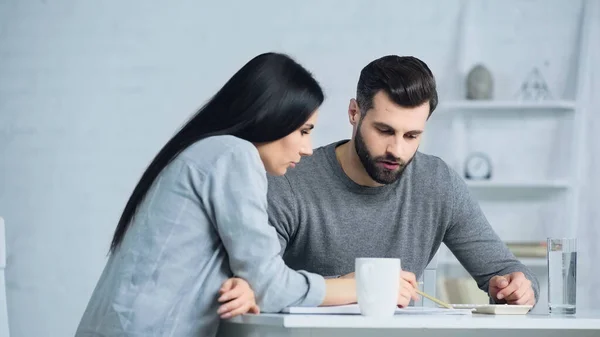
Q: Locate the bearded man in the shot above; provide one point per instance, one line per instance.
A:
(376, 195)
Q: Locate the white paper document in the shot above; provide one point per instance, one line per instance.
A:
(353, 309)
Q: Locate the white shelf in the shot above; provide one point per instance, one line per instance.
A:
(546, 106)
(493, 184)
(528, 261)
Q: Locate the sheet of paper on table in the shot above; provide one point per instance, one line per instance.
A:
(353, 309)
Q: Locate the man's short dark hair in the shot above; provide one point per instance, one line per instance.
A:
(405, 79)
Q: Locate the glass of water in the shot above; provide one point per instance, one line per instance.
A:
(562, 275)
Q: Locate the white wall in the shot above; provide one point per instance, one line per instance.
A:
(89, 91)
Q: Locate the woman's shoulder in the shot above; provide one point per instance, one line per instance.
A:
(208, 151)
(223, 142)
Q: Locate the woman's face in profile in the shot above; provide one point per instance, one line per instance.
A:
(286, 152)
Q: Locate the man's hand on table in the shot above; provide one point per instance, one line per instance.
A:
(513, 288)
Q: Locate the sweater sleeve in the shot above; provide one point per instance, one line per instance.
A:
(237, 191)
(282, 210)
(475, 244)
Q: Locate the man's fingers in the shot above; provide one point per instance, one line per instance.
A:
(409, 277)
(404, 298)
(531, 300)
(525, 299)
(528, 298)
(508, 290)
(499, 282)
(412, 292)
(517, 275)
(407, 292)
(350, 275)
(408, 286)
(515, 296)
(523, 289)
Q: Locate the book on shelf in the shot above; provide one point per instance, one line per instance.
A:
(530, 249)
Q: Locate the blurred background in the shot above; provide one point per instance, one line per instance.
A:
(90, 91)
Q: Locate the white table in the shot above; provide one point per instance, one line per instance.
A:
(269, 325)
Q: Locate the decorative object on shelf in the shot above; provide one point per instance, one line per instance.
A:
(478, 166)
(534, 88)
(480, 84)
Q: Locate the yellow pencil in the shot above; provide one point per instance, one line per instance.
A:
(443, 304)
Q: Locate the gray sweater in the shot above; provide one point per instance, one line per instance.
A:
(325, 220)
(204, 220)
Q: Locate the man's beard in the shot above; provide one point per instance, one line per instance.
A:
(379, 174)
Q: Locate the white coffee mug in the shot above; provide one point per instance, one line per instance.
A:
(377, 285)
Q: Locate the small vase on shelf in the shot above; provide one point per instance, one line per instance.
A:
(480, 84)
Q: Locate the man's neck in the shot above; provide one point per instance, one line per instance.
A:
(352, 166)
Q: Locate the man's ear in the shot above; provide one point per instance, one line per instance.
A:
(353, 112)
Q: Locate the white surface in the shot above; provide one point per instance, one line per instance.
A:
(3, 301)
(496, 309)
(504, 322)
(353, 309)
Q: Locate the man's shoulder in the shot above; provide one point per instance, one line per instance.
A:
(318, 160)
(429, 162)
(431, 170)
(308, 175)
(311, 166)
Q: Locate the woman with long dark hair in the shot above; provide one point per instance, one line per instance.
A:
(195, 230)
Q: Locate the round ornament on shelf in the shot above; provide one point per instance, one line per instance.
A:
(478, 166)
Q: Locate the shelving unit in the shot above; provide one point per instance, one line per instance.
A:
(494, 106)
(531, 262)
(535, 146)
(459, 120)
(532, 193)
(526, 199)
(518, 199)
(545, 185)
